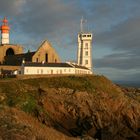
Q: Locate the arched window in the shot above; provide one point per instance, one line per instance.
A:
(10, 51)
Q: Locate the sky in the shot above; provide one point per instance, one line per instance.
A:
(115, 25)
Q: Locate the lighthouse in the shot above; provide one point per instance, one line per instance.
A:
(85, 48)
(5, 29)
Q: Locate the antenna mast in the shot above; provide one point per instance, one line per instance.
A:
(81, 24)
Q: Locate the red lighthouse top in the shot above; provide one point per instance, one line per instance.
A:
(5, 27)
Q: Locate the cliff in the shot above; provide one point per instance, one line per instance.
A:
(68, 108)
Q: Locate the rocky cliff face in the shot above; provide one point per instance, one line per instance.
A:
(70, 107)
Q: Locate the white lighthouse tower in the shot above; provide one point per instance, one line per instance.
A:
(85, 48)
(5, 29)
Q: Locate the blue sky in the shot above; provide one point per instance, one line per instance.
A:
(114, 23)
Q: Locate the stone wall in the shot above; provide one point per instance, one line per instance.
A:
(45, 50)
(17, 49)
(4, 67)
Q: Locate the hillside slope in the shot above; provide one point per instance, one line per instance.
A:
(67, 108)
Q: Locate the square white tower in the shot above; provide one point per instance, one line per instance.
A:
(85, 49)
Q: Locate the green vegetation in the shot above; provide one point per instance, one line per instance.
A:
(29, 105)
(80, 83)
(24, 93)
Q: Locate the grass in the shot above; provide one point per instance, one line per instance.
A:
(81, 83)
(29, 105)
(20, 95)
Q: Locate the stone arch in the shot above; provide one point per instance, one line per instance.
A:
(10, 51)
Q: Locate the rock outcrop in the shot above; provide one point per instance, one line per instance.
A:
(70, 107)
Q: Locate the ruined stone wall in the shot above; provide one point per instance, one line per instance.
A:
(17, 49)
(44, 50)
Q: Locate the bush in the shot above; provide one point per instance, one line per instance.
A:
(29, 105)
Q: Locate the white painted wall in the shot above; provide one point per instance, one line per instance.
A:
(25, 70)
(5, 38)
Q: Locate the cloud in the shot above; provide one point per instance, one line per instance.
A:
(124, 36)
(11, 7)
(119, 74)
(122, 61)
(48, 17)
(119, 66)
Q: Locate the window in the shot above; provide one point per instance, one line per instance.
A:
(51, 71)
(37, 71)
(86, 53)
(88, 35)
(46, 56)
(84, 35)
(86, 45)
(36, 59)
(86, 62)
(41, 71)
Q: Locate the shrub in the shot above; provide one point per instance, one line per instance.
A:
(29, 105)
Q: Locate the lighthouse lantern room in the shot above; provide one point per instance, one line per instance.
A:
(5, 29)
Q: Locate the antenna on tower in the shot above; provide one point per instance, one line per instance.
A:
(87, 26)
(82, 24)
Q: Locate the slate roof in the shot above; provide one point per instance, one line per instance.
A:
(80, 67)
(33, 64)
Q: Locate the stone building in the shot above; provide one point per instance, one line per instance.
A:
(12, 55)
(9, 50)
(45, 53)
